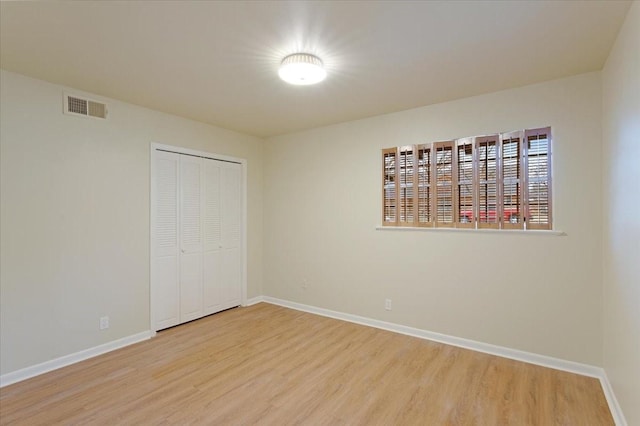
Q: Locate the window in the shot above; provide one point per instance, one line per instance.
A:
(500, 181)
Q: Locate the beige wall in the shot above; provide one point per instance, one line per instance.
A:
(621, 151)
(537, 293)
(75, 218)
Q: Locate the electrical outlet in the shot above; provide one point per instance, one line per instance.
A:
(304, 284)
(387, 304)
(104, 323)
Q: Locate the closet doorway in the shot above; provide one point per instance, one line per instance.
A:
(198, 240)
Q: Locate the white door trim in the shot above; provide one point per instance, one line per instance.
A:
(154, 147)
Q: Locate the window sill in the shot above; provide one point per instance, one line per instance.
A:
(472, 230)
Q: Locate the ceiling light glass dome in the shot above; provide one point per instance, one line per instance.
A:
(302, 69)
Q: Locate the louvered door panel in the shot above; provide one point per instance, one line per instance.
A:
(191, 306)
(212, 227)
(444, 178)
(538, 170)
(487, 178)
(212, 206)
(190, 204)
(166, 214)
(164, 260)
(231, 277)
(191, 198)
(231, 205)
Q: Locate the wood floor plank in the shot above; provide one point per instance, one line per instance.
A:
(275, 366)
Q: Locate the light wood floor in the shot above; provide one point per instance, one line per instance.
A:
(275, 366)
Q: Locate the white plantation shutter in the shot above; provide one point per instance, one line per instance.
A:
(444, 181)
(537, 152)
(487, 181)
(465, 191)
(424, 191)
(511, 176)
(389, 192)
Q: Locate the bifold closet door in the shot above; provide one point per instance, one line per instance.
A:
(212, 294)
(197, 243)
(191, 202)
(164, 264)
(222, 233)
(231, 270)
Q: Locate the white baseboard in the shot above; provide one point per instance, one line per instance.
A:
(515, 354)
(63, 361)
(254, 300)
(614, 407)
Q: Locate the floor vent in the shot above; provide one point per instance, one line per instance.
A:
(76, 105)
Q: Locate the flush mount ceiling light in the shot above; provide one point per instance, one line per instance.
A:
(302, 69)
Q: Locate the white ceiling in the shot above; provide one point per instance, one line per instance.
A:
(217, 62)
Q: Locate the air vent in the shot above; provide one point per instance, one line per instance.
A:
(76, 105)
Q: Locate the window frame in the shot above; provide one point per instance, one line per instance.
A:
(403, 164)
(430, 222)
(546, 131)
(478, 142)
(444, 145)
(474, 207)
(438, 188)
(394, 207)
(519, 135)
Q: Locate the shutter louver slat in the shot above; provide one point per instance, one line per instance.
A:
(406, 195)
(465, 206)
(424, 186)
(538, 175)
(389, 213)
(487, 149)
(444, 183)
(511, 181)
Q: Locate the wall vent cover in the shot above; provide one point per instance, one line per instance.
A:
(79, 106)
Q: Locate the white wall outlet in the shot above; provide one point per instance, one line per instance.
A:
(304, 284)
(104, 323)
(387, 304)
